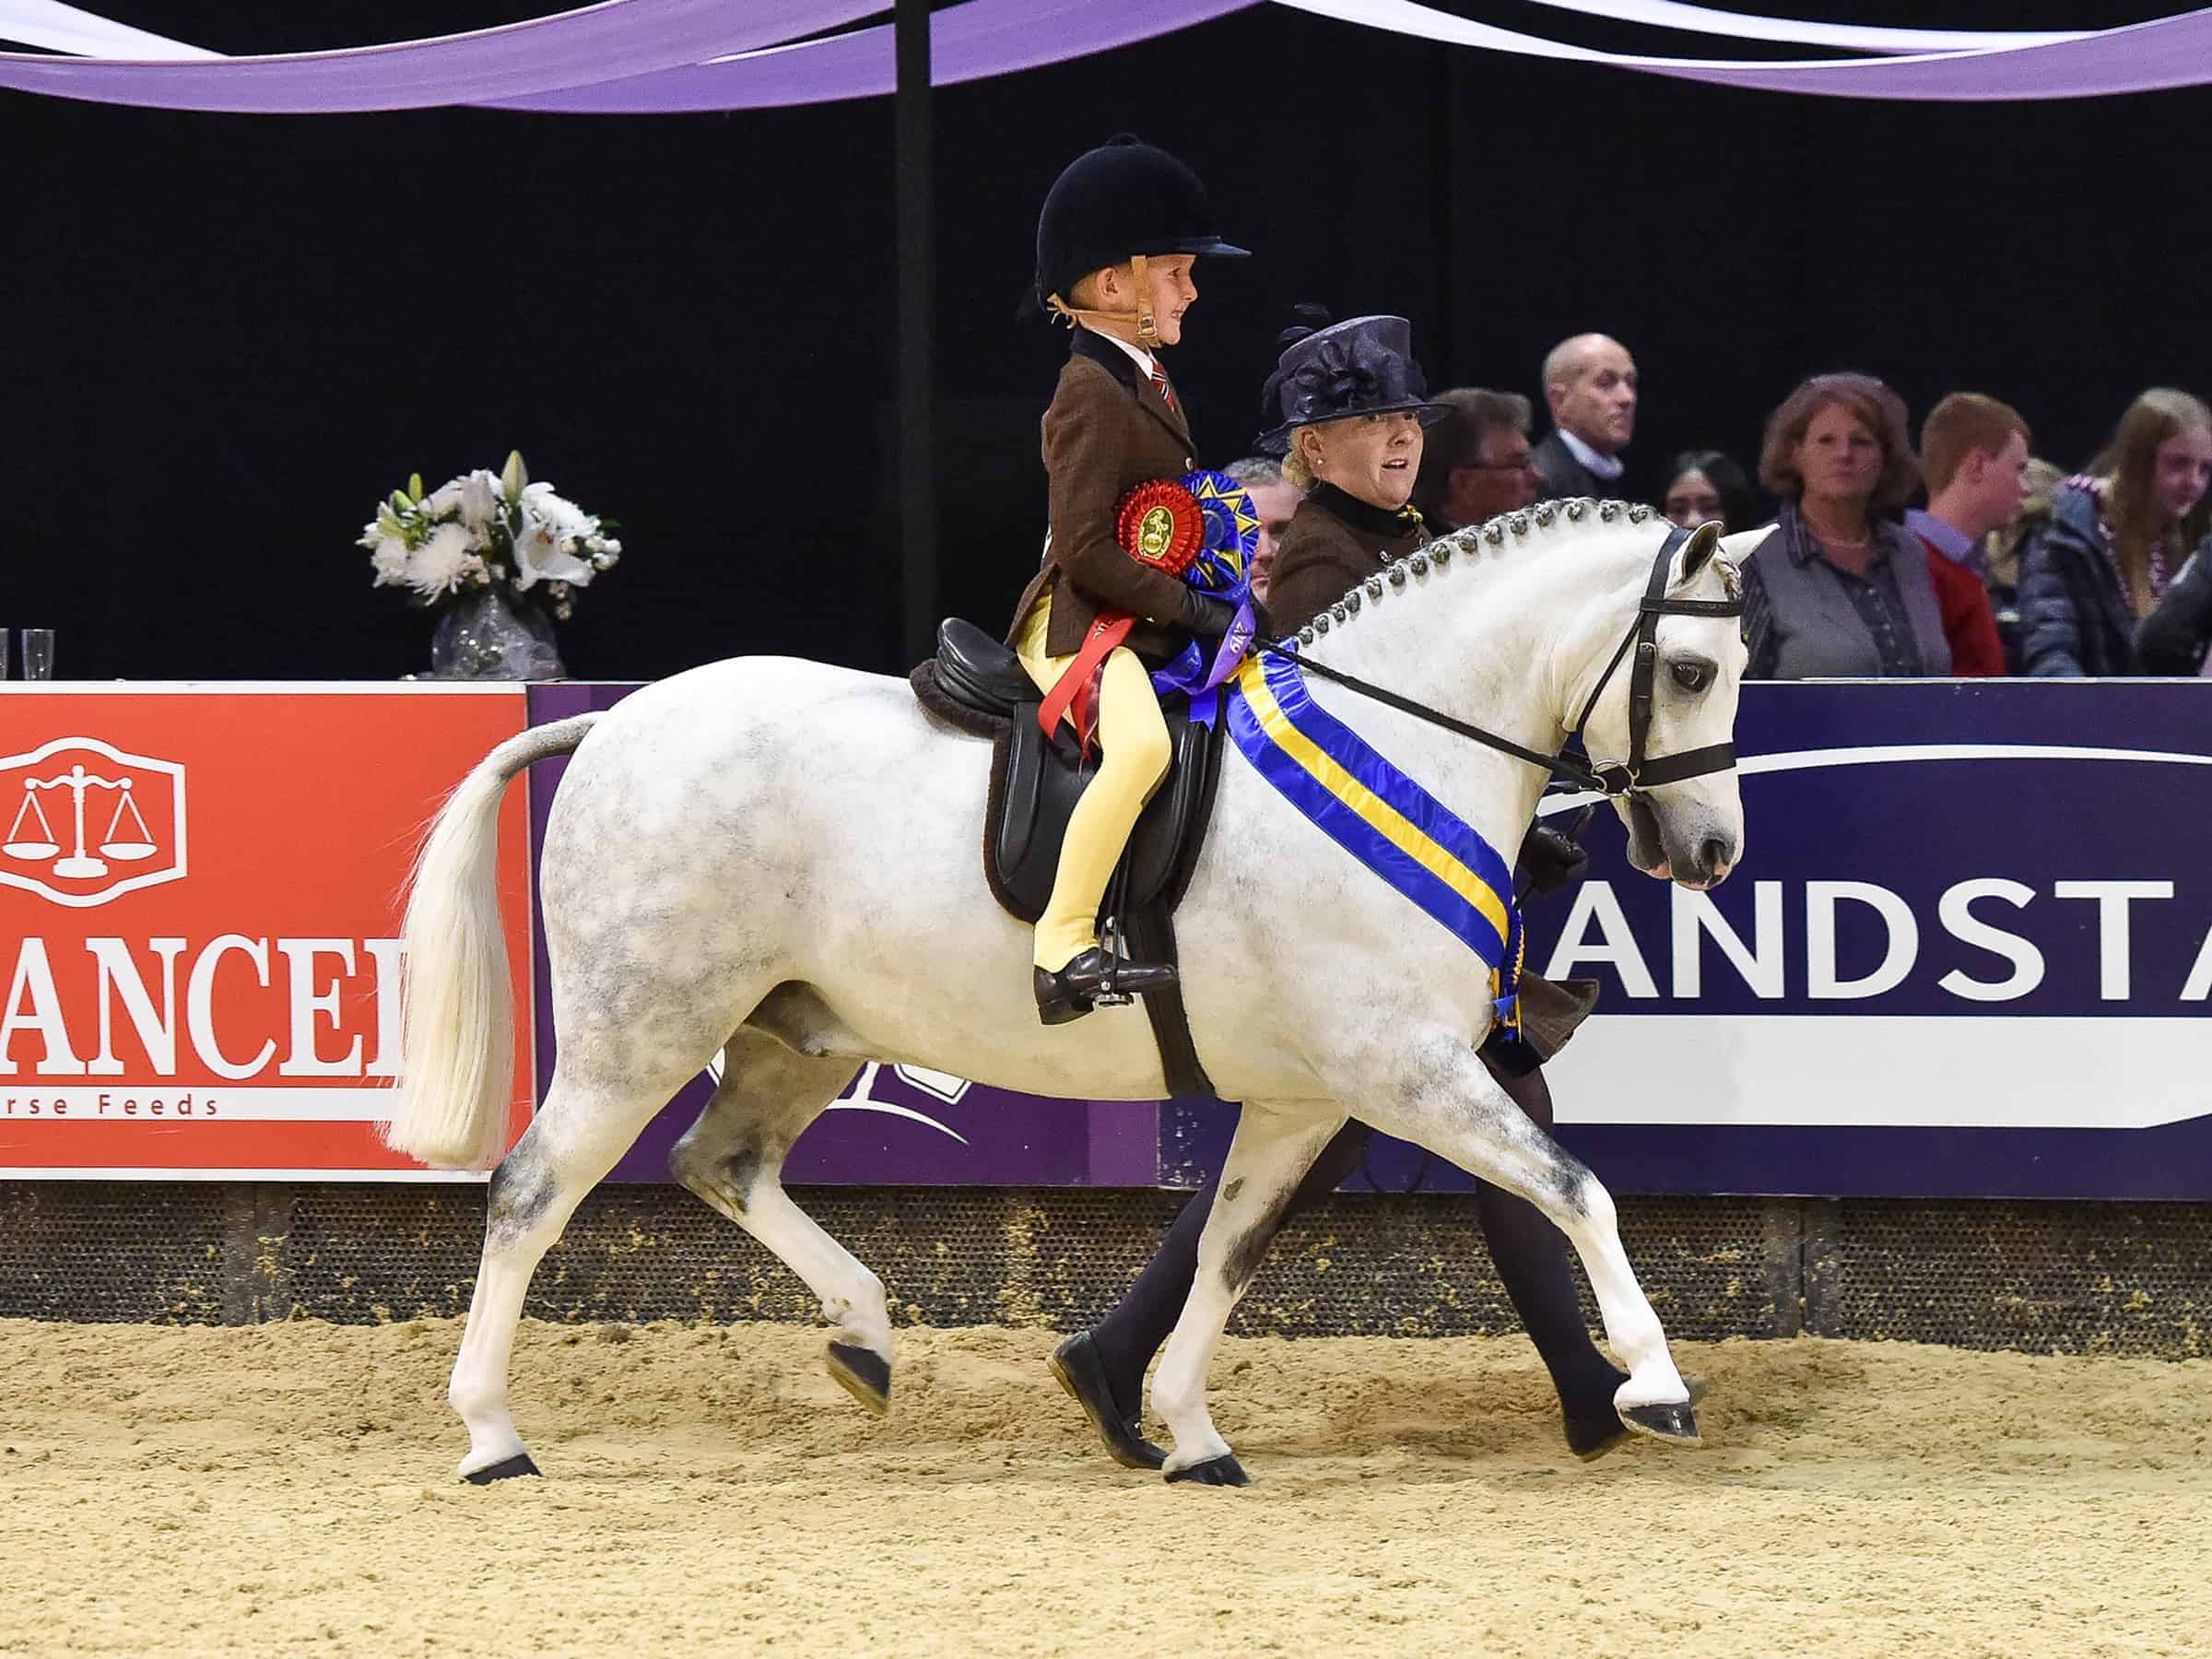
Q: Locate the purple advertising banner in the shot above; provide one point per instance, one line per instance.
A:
(1968, 953)
(896, 1126)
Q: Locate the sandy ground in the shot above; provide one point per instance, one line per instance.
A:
(290, 1488)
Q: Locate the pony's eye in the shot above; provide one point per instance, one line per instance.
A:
(1692, 677)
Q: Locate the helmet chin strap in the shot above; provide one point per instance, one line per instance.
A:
(1147, 329)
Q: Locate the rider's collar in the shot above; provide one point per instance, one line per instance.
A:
(1146, 362)
(1364, 515)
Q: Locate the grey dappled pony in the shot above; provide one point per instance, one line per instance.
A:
(778, 859)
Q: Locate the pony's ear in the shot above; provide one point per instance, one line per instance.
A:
(1738, 548)
(1698, 549)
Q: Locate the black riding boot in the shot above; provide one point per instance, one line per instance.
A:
(1096, 976)
(1104, 1367)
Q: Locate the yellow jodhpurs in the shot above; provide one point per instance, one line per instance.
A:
(1132, 758)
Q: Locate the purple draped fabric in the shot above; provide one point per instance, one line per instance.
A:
(2143, 57)
(967, 42)
(622, 38)
(651, 56)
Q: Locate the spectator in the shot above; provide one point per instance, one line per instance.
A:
(2117, 531)
(2001, 556)
(1477, 463)
(1835, 591)
(2173, 638)
(1705, 485)
(1973, 453)
(1590, 382)
(1274, 499)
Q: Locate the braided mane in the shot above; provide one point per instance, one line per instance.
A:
(1544, 520)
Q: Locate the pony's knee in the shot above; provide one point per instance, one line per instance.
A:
(1588, 1202)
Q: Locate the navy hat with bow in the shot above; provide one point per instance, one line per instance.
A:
(1362, 366)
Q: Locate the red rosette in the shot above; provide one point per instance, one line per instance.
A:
(1162, 524)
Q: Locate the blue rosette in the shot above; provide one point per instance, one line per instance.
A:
(1221, 570)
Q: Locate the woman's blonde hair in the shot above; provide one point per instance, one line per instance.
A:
(2130, 459)
(1296, 472)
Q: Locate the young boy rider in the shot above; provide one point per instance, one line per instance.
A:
(1115, 244)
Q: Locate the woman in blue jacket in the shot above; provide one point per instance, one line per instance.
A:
(2118, 533)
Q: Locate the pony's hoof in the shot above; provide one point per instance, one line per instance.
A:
(506, 1469)
(1222, 1471)
(1677, 1423)
(862, 1373)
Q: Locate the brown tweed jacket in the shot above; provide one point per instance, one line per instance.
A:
(1334, 541)
(1108, 430)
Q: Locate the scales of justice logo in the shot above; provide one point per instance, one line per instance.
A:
(88, 822)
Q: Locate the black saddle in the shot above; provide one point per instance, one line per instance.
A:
(979, 684)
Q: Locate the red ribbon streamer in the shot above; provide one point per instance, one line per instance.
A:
(1077, 689)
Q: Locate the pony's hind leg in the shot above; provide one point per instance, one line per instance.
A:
(1435, 1091)
(574, 1140)
(733, 1159)
(1272, 1152)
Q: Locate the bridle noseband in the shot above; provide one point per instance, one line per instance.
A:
(1638, 772)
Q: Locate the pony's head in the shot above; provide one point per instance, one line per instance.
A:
(1691, 829)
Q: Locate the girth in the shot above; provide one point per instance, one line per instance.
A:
(979, 684)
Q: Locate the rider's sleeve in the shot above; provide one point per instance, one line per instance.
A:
(1087, 444)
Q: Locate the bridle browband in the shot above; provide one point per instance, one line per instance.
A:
(1637, 772)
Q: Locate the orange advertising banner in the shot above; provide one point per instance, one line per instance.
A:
(200, 892)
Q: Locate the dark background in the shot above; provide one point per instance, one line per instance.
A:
(229, 335)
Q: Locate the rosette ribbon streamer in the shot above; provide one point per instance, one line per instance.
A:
(1222, 569)
(1203, 529)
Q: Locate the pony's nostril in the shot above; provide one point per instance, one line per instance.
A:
(1713, 855)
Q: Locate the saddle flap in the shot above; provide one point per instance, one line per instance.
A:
(1035, 783)
(977, 670)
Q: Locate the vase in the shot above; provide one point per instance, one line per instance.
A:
(486, 635)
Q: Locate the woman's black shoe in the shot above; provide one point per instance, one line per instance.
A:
(1075, 1362)
(1093, 978)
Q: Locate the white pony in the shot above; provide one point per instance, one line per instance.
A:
(780, 858)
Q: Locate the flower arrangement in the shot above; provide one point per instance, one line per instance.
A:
(486, 531)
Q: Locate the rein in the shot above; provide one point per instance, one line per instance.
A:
(1637, 772)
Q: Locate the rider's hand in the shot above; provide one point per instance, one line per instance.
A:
(1262, 625)
(1205, 615)
(1552, 858)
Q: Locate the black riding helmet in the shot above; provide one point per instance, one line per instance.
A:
(1121, 201)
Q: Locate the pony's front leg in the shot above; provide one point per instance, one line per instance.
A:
(1274, 1149)
(1434, 1090)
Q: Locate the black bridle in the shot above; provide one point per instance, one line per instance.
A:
(1638, 772)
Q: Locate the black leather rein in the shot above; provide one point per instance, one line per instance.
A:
(1636, 772)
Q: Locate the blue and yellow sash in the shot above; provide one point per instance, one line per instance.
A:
(1381, 817)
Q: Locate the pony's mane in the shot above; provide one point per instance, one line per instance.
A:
(1537, 524)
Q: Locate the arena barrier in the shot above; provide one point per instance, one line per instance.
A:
(1960, 978)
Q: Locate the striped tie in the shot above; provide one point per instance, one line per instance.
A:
(1159, 382)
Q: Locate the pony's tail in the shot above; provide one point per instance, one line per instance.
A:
(457, 1042)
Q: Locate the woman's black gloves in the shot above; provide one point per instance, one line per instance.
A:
(1209, 617)
(1552, 858)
